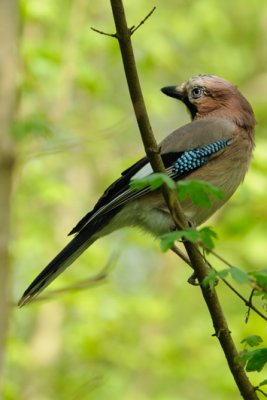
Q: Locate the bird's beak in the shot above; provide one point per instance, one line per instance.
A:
(174, 91)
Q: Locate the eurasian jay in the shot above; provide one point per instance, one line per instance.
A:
(215, 147)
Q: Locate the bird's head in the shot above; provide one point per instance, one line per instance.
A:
(211, 96)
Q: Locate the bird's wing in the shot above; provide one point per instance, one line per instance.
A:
(183, 151)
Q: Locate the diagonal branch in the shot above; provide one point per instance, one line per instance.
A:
(134, 28)
(248, 302)
(153, 152)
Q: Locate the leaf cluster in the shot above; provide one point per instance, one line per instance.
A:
(254, 360)
(199, 192)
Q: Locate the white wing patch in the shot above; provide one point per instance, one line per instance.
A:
(144, 171)
(128, 194)
(125, 196)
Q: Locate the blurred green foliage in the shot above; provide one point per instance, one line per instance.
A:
(146, 334)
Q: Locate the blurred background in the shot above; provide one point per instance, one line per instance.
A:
(144, 333)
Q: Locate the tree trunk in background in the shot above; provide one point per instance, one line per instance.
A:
(8, 97)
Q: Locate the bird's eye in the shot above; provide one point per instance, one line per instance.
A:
(197, 92)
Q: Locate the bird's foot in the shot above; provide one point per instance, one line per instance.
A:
(192, 280)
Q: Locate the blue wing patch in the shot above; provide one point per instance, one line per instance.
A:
(193, 159)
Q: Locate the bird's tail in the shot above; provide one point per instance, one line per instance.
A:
(63, 260)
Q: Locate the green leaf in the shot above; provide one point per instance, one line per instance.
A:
(168, 239)
(239, 276)
(260, 279)
(260, 293)
(254, 359)
(199, 192)
(211, 279)
(223, 273)
(257, 360)
(243, 357)
(252, 340)
(207, 237)
(153, 181)
(263, 382)
(204, 236)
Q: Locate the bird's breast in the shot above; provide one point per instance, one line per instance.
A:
(226, 172)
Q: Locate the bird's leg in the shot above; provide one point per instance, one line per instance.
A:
(193, 278)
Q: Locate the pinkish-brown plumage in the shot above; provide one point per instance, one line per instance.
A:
(215, 147)
(221, 100)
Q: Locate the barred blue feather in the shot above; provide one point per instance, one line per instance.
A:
(192, 159)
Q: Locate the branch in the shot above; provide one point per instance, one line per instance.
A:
(104, 33)
(261, 391)
(134, 28)
(247, 303)
(153, 153)
(131, 30)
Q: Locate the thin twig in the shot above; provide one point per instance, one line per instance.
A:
(248, 302)
(180, 254)
(134, 29)
(104, 33)
(219, 257)
(192, 280)
(250, 305)
(261, 391)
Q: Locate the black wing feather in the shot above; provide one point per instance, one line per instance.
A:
(120, 186)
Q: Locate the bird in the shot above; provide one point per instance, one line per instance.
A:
(216, 147)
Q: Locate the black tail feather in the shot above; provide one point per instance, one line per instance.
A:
(63, 260)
